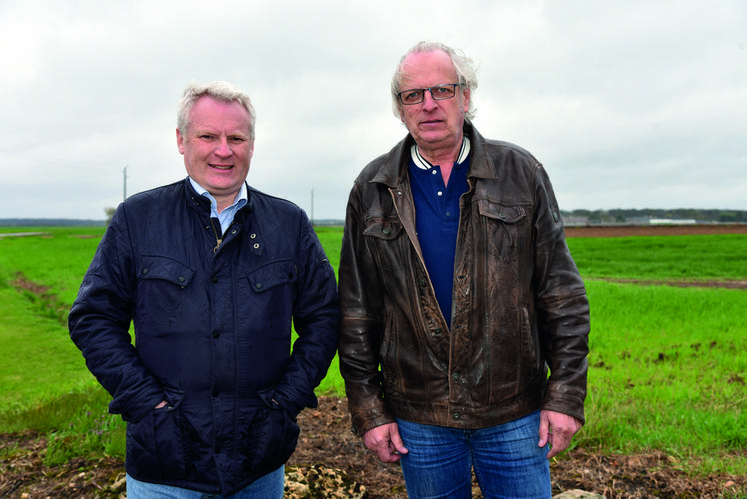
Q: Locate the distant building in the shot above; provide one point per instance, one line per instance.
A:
(575, 221)
(672, 221)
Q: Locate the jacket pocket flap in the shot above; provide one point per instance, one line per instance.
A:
(173, 397)
(507, 214)
(273, 274)
(386, 229)
(168, 269)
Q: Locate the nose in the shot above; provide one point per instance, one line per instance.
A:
(428, 101)
(223, 149)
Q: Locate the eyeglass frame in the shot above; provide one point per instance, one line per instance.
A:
(430, 90)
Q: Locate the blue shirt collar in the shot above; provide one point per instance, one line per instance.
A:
(424, 164)
(226, 216)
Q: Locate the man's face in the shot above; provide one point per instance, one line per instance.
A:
(217, 147)
(433, 123)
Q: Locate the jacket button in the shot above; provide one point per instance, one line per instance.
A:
(387, 230)
(181, 279)
(216, 334)
(457, 416)
(258, 285)
(144, 271)
(437, 331)
(421, 282)
(214, 279)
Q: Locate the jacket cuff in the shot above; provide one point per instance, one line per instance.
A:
(565, 404)
(363, 422)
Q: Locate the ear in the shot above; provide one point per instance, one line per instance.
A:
(466, 96)
(180, 141)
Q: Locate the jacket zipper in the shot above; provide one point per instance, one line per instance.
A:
(218, 239)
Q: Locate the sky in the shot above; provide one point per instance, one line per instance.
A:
(628, 104)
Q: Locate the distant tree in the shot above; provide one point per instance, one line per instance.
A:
(109, 214)
(619, 215)
(727, 216)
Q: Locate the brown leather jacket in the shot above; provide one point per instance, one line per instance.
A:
(519, 304)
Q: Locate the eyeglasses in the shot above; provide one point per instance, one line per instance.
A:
(417, 95)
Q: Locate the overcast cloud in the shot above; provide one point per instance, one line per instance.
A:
(629, 104)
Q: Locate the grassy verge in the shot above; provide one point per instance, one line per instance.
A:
(667, 364)
(667, 372)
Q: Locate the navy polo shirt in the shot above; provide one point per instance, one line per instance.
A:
(437, 218)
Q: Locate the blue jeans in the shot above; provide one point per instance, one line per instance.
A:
(268, 487)
(506, 459)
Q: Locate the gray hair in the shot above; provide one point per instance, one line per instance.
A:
(220, 90)
(463, 65)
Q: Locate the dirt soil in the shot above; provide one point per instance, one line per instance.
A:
(327, 447)
(653, 230)
(327, 444)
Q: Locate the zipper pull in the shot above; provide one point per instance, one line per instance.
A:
(218, 238)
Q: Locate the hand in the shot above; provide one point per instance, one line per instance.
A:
(385, 442)
(557, 429)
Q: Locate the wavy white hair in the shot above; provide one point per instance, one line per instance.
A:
(463, 65)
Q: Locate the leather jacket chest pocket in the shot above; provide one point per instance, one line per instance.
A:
(273, 274)
(382, 235)
(505, 227)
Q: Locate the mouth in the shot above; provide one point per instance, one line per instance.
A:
(220, 167)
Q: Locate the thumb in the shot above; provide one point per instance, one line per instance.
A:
(544, 431)
(397, 443)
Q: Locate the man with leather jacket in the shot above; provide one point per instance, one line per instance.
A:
(458, 292)
(213, 274)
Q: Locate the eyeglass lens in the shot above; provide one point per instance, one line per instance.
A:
(439, 92)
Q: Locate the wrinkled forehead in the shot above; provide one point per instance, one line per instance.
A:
(427, 68)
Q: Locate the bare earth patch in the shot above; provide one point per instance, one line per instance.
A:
(328, 444)
(654, 230)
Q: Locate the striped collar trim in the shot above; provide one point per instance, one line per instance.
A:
(423, 163)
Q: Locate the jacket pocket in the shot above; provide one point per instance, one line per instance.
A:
(162, 282)
(271, 439)
(504, 227)
(383, 234)
(273, 274)
(166, 269)
(155, 443)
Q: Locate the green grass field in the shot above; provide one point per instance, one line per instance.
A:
(667, 364)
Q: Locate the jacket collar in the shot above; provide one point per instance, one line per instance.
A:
(202, 204)
(394, 169)
(424, 164)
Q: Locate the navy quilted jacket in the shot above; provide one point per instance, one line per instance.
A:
(213, 334)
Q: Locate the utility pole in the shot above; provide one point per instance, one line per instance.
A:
(312, 207)
(124, 183)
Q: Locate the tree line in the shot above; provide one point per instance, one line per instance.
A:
(622, 215)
